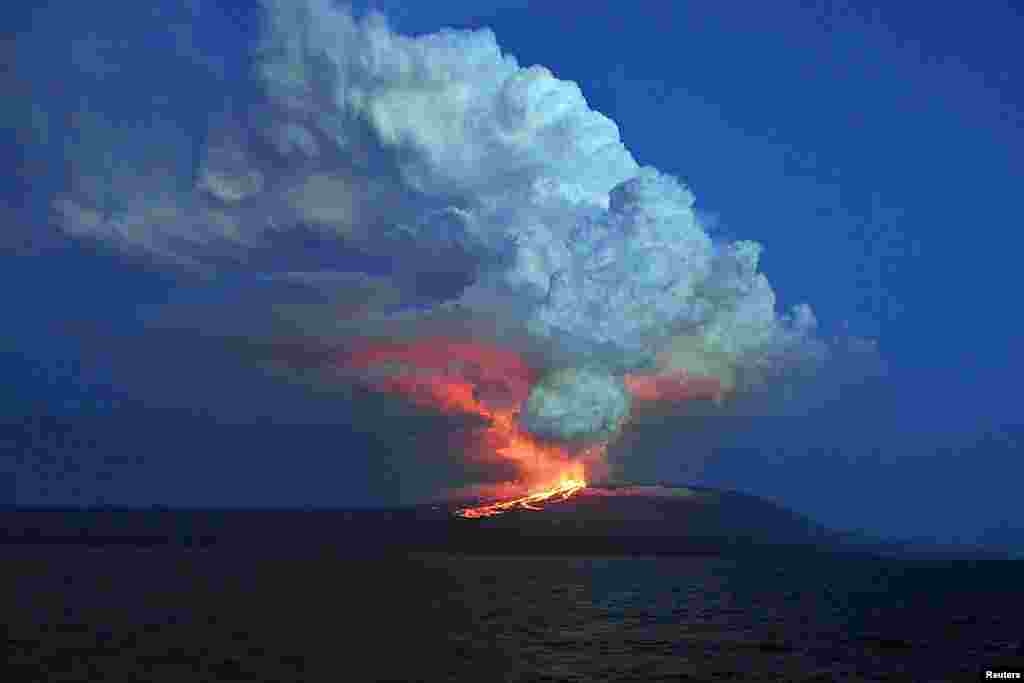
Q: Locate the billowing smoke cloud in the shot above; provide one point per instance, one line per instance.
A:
(495, 202)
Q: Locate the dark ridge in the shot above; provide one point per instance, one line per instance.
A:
(612, 520)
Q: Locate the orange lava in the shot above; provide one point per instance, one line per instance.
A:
(456, 377)
(534, 501)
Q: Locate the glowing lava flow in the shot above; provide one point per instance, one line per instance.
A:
(565, 490)
(456, 377)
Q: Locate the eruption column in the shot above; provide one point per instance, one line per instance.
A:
(456, 377)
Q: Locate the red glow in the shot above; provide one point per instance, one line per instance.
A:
(456, 377)
(465, 378)
(500, 375)
(673, 386)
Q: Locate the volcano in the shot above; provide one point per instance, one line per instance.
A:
(627, 519)
(640, 519)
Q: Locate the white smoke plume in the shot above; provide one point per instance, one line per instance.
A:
(503, 204)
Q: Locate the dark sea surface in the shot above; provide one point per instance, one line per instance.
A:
(332, 614)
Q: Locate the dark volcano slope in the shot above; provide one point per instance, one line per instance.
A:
(622, 520)
(597, 520)
(644, 519)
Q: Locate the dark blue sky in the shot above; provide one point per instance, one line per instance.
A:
(874, 150)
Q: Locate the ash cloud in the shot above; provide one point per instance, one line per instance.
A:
(483, 196)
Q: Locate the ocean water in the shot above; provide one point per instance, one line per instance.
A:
(77, 614)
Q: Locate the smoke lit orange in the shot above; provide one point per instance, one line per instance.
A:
(465, 378)
(458, 377)
(672, 386)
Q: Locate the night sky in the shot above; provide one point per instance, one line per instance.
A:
(873, 150)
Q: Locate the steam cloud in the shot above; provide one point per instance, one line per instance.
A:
(503, 207)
